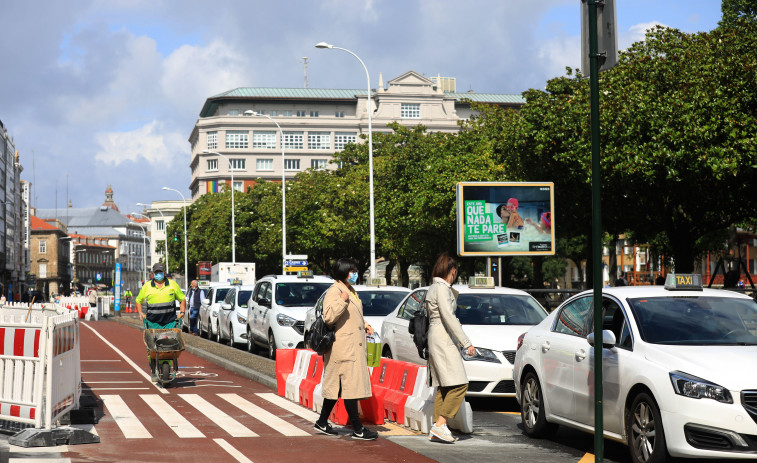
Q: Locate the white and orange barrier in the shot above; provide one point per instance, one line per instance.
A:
(40, 373)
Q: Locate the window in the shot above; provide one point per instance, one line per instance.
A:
(237, 139)
(319, 140)
(300, 113)
(212, 140)
(212, 164)
(573, 317)
(43, 270)
(319, 163)
(237, 164)
(313, 113)
(410, 111)
(411, 305)
(286, 113)
(291, 164)
(274, 112)
(339, 114)
(42, 246)
(160, 225)
(342, 138)
(293, 140)
(233, 112)
(265, 140)
(264, 164)
(239, 186)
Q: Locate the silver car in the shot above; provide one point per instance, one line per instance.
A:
(208, 319)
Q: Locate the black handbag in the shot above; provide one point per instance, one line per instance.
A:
(321, 335)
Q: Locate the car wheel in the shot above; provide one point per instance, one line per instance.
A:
(231, 336)
(387, 353)
(646, 437)
(250, 342)
(532, 413)
(271, 346)
(219, 339)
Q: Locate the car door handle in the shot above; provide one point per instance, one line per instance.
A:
(545, 347)
(580, 355)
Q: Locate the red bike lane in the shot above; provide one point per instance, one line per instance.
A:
(208, 413)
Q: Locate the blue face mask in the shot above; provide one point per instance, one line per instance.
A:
(159, 277)
(353, 278)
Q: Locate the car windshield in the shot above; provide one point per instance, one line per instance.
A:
(244, 297)
(380, 303)
(499, 309)
(221, 294)
(299, 294)
(696, 321)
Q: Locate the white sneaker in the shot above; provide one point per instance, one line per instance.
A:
(441, 433)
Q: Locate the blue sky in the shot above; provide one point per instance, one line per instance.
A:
(106, 92)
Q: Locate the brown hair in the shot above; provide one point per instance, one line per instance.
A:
(444, 264)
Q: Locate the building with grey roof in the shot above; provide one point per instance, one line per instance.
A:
(315, 123)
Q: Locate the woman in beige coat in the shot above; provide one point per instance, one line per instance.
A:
(345, 372)
(445, 339)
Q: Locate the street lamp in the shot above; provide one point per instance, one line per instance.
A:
(165, 224)
(370, 152)
(283, 192)
(233, 237)
(144, 246)
(186, 268)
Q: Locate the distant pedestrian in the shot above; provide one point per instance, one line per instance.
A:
(195, 295)
(92, 299)
(445, 339)
(345, 371)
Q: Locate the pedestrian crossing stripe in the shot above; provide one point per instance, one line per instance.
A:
(284, 427)
(227, 423)
(180, 425)
(130, 425)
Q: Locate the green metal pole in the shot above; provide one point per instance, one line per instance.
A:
(596, 217)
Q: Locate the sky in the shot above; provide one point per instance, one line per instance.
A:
(106, 92)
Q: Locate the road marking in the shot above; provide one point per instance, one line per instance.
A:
(32, 450)
(232, 451)
(128, 360)
(180, 425)
(205, 385)
(116, 388)
(224, 421)
(110, 372)
(39, 460)
(292, 407)
(284, 427)
(100, 361)
(588, 458)
(125, 418)
(111, 382)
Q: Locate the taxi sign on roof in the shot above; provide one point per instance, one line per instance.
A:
(481, 282)
(305, 274)
(683, 282)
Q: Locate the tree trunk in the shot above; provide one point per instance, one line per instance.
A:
(613, 260)
(402, 276)
(388, 271)
(538, 282)
(683, 250)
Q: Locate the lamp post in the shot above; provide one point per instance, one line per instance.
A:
(370, 152)
(165, 224)
(233, 237)
(186, 268)
(283, 192)
(144, 246)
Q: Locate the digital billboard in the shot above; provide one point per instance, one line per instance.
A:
(505, 218)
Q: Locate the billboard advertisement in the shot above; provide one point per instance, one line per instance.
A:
(204, 270)
(505, 218)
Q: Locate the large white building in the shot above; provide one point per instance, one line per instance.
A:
(314, 123)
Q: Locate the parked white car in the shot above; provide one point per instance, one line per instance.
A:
(378, 302)
(491, 316)
(232, 318)
(678, 370)
(211, 306)
(276, 314)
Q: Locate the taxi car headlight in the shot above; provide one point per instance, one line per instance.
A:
(698, 388)
(482, 355)
(241, 319)
(285, 320)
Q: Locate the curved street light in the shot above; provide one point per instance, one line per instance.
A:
(186, 267)
(165, 224)
(233, 234)
(370, 152)
(283, 192)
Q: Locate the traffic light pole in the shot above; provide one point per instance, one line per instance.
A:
(596, 219)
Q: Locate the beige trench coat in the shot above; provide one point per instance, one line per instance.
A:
(346, 363)
(445, 336)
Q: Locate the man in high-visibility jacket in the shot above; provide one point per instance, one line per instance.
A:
(158, 297)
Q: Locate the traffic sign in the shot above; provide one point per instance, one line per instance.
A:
(297, 263)
(295, 269)
(296, 257)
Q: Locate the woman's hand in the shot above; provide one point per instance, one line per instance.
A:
(345, 297)
(471, 351)
(369, 329)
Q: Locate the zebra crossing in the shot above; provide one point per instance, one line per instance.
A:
(132, 427)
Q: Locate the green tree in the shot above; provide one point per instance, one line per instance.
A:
(738, 10)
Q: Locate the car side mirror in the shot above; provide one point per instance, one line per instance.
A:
(225, 306)
(206, 301)
(264, 302)
(608, 339)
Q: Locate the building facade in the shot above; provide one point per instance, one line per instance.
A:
(12, 262)
(160, 214)
(50, 255)
(92, 263)
(314, 124)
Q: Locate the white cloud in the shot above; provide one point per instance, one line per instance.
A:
(636, 33)
(555, 54)
(149, 143)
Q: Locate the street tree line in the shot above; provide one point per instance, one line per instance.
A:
(679, 162)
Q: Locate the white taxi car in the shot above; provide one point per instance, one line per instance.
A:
(232, 318)
(378, 302)
(678, 370)
(209, 309)
(492, 317)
